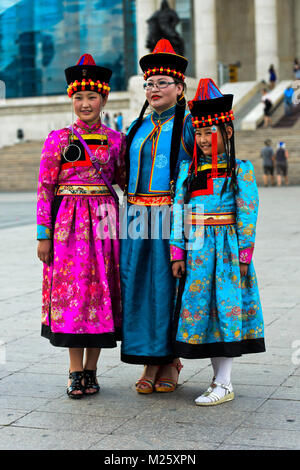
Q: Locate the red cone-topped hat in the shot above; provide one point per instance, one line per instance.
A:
(164, 61)
(86, 75)
(209, 108)
(163, 45)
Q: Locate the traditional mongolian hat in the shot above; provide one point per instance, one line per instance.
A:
(164, 61)
(86, 75)
(209, 105)
(210, 108)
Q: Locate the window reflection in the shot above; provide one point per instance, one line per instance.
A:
(39, 39)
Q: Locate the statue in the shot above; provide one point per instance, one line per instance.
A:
(162, 25)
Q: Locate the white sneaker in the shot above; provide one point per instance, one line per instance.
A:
(214, 395)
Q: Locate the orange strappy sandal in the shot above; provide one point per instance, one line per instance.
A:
(167, 384)
(147, 383)
(149, 386)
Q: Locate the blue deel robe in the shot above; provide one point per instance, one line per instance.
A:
(148, 287)
(217, 313)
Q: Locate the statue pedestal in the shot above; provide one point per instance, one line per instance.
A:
(137, 94)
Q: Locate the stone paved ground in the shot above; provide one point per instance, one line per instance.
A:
(35, 412)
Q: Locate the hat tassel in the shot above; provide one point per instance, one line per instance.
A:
(214, 156)
(194, 160)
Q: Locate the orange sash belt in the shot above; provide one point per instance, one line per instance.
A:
(225, 218)
(82, 190)
(150, 200)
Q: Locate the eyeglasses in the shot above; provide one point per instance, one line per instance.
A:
(160, 84)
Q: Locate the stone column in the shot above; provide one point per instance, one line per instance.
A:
(144, 9)
(205, 39)
(266, 41)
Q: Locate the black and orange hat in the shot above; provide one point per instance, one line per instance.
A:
(164, 61)
(86, 75)
(209, 108)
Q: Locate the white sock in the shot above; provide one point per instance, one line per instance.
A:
(223, 374)
(215, 362)
(222, 367)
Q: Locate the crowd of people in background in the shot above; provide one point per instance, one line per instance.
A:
(288, 94)
(266, 98)
(275, 161)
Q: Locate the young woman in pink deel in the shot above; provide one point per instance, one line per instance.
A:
(78, 229)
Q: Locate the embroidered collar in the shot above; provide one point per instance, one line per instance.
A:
(207, 159)
(164, 115)
(83, 125)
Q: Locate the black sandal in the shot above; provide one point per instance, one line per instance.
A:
(90, 378)
(76, 385)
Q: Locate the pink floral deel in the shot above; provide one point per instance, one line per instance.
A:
(81, 287)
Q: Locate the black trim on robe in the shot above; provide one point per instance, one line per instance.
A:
(147, 360)
(221, 349)
(69, 340)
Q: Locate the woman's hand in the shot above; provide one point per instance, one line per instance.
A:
(45, 251)
(178, 268)
(243, 269)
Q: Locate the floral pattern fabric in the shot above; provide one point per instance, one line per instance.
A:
(81, 287)
(218, 312)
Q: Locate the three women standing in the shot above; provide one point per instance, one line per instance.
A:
(81, 288)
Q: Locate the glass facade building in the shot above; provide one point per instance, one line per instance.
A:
(40, 38)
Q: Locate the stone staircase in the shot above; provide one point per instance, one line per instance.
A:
(20, 166)
(20, 162)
